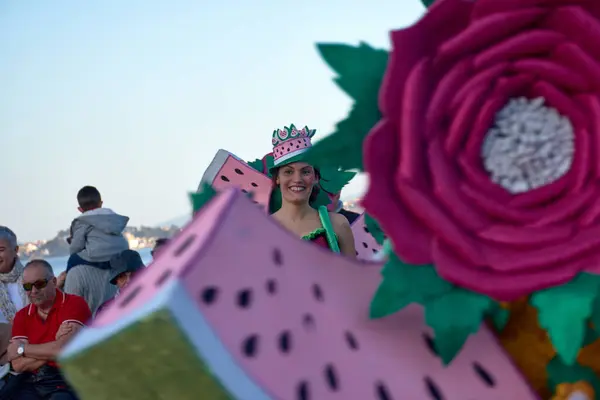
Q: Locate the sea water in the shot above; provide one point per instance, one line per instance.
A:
(59, 264)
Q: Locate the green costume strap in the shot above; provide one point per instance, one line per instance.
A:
(329, 232)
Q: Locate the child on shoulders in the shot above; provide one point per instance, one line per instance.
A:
(97, 234)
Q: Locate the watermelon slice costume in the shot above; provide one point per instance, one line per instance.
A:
(480, 134)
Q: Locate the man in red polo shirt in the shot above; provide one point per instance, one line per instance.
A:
(40, 330)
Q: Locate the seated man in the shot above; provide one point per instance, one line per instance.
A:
(39, 332)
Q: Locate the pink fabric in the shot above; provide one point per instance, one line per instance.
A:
(447, 77)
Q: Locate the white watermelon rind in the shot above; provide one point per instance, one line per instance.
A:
(215, 166)
(158, 352)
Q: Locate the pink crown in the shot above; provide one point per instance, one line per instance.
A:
(290, 142)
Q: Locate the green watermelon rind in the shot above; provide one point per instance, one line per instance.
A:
(130, 364)
(158, 355)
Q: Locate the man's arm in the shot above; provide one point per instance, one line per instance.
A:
(26, 364)
(22, 364)
(49, 351)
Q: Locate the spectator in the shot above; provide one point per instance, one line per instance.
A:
(337, 206)
(96, 236)
(160, 243)
(12, 298)
(39, 332)
(12, 295)
(124, 267)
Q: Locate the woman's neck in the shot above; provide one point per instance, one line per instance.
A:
(295, 212)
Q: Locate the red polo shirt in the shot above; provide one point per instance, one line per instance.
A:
(28, 325)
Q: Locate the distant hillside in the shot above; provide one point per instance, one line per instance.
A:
(138, 238)
(179, 222)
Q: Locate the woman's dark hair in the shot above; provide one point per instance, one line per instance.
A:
(315, 190)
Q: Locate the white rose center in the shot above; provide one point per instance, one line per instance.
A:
(530, 145)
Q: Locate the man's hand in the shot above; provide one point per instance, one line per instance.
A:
(65, 329)
(11, 351)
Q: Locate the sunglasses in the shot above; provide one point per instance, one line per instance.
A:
(39, 285)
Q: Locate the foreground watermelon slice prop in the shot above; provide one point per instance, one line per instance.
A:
(227, 171)
(237, 306)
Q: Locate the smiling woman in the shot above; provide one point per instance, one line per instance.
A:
(298, 183)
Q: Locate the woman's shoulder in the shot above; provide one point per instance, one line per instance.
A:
(338, 220)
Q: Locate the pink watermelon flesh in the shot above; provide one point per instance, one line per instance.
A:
(366, 245)
(294, 317)
(227, 170)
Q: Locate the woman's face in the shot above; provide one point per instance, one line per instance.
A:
(296, 181)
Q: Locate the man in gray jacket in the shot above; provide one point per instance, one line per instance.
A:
(96, 236)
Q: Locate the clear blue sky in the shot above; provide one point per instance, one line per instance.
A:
(135, 97)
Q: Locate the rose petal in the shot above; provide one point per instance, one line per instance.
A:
(592, 211)
(563, 104)
(526, 236)
(410, 45)
(542, 195)
(495, 207)
(572, 56)
(484, 8)
(528, 43)
(445, 90)
(411, 146)
(464, 118)
(433, 217)
(591, 105)
(505, 89)
(555, 74)
(564, 209)
(485, 78)
(507, 259)
(500, 286)
(484, 32)
(445, 182)
(580, 170)
(582, 165)
(578, 25)
(475, 176)
(411, 240)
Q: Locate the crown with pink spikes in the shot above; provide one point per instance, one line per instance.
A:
(289, 143)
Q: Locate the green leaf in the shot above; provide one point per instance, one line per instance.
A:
(419, 282)
(387, 300)
(404, 284)
(257, 165)
(333, 180)
(453, 317)
(360, 68)
(559, 372)
(343, 148)
(427, 3)
(591, 335)
(595, 318)
(374, 229)
(499, 316)
(564, 312)
(200, 198)
(360, 71)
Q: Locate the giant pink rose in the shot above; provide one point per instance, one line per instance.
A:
(501, 195)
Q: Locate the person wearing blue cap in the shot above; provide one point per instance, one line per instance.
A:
(123, 267)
